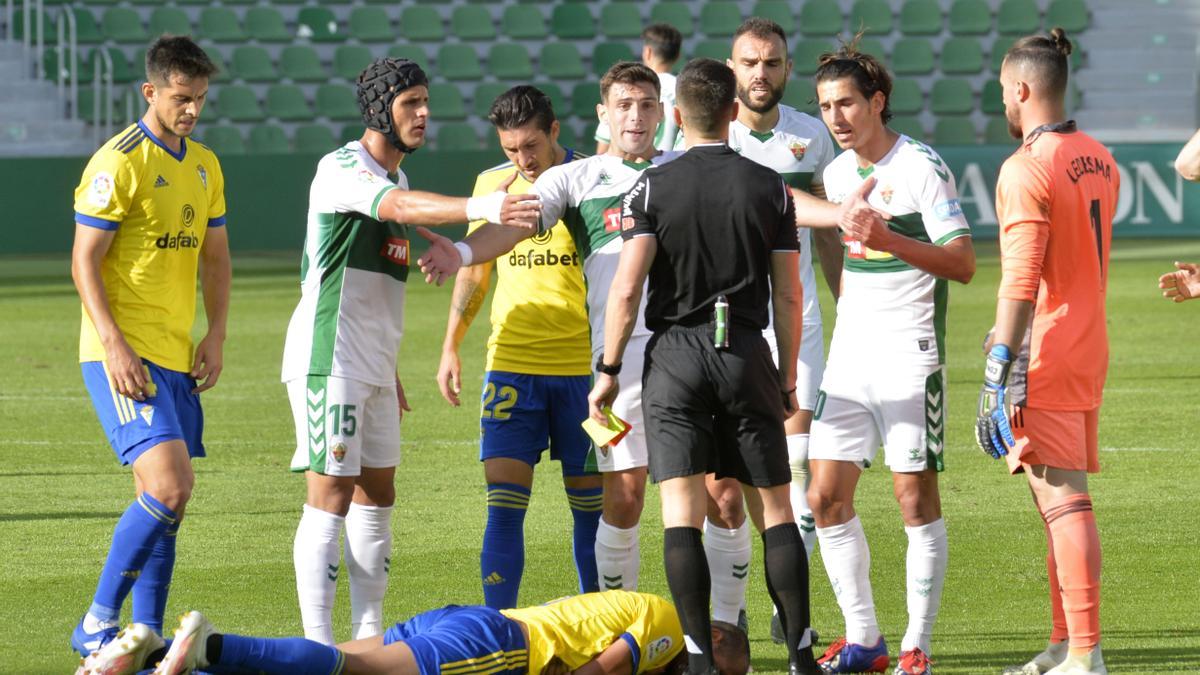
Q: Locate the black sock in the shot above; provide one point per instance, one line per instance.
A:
(786, 564)
(687, 577)
(212, 648)
(155, 656)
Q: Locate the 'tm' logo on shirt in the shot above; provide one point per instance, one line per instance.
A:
(612, 220)
(396, 250)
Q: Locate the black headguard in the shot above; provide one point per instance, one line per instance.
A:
(378, 86)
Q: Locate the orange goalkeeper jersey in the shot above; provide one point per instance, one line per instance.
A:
(1055, 200)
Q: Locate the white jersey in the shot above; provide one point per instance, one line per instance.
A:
(887, 305)
(351, 312)
(665, 135)
(586, 196)
(799, 149)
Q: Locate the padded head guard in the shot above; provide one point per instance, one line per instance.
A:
(378, 86)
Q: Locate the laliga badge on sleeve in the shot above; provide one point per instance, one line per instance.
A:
(610, 433)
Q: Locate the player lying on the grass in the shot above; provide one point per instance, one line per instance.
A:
(591, 634)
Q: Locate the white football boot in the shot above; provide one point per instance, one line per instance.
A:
(126, 654)
(1054, 654)
(188, 649)
(1091, 663)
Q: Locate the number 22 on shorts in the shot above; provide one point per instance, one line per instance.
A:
(496, 402)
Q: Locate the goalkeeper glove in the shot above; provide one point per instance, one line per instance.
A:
(992, 431)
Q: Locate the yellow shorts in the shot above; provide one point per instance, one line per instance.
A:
(1057, 438)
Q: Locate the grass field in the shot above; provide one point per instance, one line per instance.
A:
(61, 490)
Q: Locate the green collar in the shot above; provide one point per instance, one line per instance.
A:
(762, 136)
(863, 173)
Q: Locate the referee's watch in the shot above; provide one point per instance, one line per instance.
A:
(602, 367)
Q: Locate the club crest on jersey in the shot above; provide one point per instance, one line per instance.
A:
(203, 175)
(887, 193)
(798, 149)
(396, 250)
(100, 192)
(339, 451)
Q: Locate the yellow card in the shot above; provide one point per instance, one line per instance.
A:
(151, 389)
(606, 434)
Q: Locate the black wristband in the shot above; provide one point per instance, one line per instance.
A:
(602, 367)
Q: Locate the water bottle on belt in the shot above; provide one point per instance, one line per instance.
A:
(721, 323)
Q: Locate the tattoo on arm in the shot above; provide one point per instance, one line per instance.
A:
(468, 301)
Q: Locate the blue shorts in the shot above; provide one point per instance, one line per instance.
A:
(133, 427)
(522, 415)
(463, 640)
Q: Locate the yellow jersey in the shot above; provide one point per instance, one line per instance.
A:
(576, 629)
(539, 307)
(161, 204)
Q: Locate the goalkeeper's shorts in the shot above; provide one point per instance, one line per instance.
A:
(1061, 439)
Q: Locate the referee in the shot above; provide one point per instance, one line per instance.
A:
(715, 233)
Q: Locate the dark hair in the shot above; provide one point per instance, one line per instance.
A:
(1044, 58)
(177, 54)
(733, 650)
(763, 29)
(628, 72)
(664, 40)
(867, 73)
(521, 105)
(705, 90)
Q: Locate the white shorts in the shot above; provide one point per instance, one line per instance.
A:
(343, 425)
(810, 366)
(901, 407)
(630, 452)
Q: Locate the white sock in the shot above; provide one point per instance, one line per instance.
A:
(797, 447)
(927, 557)
(316, 554)
(94, 624)
(368, 560)
(848, 564)
(728, 554)
(618, 555)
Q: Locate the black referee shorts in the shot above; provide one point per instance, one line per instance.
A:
(713, 411)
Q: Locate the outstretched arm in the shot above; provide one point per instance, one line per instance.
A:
(414, 207)
(1182, 284)
(1188, 161)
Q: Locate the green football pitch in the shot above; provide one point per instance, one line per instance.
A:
(61, 490)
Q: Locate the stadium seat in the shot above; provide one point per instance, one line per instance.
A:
(51, 67)
(123, 72)
(569, 138)
(314, 138)
(446, 102)
(123, 25)
(286, 102)
(218, 59)
(921, 17)
(300, 63)
(572, 22)
(874, 47)
(908, 125)
(674, 12)
(906, 98)
(1017, 17)
(620, 21)
(800, 95)
(912, 56)
(318, 24)
(584, 98)
(457, 136)
(87, 108)
(337, 102)
(507, 61)
(459, 62)
(991, 98)
(370, 24)
(239, 104)
(872, 16)
(470, 22)
(557, 98)
(422, 24)
(1000, 47)
(955, 131)
(350, 60)
(807, 53)
(996, 132)
(227, 2)
(719, 18)
(411, 52)
(561, 60)
(779, 11)
(193, 2)
(350, 132)
(224, 140)
(715, 48)
(220, 24)
(253, 64)
(951, 96)
(970, 17)
(962, 56)
(821, 17)
(169, 20)
(1070, 15)
(268, 139)
(523, 22)
(266, 24)
(605, 54)
(49, 33)
(486, 94)
(87, 31)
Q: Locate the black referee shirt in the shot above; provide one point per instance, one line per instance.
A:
(717, 217)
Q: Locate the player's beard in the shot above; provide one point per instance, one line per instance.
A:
(743, 94)
(162, 124)
(1013, 117)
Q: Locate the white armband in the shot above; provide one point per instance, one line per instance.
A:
(464, 252)
(486, 207)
